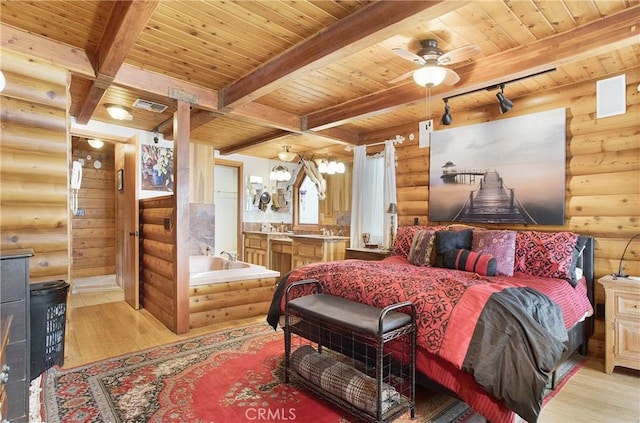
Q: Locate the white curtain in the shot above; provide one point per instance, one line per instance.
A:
(357, 194)
(389, 192)
(369, 191)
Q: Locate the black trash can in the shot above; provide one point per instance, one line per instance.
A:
(48, 314)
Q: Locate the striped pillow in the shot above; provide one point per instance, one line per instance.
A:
(482, 264)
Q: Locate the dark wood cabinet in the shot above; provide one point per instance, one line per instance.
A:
(14, 294)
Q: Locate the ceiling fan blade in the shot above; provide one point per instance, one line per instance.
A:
(459, 54)
(401, 77)
(408, 55)
(451, 78)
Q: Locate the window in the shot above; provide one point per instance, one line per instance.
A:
(373, 213)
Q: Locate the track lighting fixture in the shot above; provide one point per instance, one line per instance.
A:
(446, 117)
(505, 103)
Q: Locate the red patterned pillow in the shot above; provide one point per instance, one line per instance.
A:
(545, 254)
(482, 264)
(500, 244)
(404, 238)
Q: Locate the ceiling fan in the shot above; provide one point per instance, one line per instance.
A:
(432, 61)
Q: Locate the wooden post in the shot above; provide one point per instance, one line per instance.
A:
(181, 120)
(512, 197)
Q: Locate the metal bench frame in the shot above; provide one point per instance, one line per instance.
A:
(378, 341)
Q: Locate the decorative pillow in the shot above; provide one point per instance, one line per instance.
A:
(501, 244)
(404, 237)
(545, 254)
(471, 261)
(421, 247)
(451, 240)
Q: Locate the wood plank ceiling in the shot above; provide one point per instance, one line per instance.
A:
(311, 74)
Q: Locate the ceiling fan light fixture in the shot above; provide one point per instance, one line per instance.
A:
(118, 112)
(285, 155)
(429, 76)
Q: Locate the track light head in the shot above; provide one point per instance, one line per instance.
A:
(505, 103)
(446, 117)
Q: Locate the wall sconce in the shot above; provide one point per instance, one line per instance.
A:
(331, 167)
(505, 103)
(95, 143)
(446, 117)
(118, 112)
(280, 174)
(285, 155)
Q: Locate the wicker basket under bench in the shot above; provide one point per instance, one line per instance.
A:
(375, 383)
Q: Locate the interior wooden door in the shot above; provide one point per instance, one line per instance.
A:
(131, 250)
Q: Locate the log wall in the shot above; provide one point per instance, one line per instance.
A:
(93, 235)
(602, 177)
(35, 164)
(226, 301)
(157, 259)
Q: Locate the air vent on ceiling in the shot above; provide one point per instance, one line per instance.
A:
(149, 106)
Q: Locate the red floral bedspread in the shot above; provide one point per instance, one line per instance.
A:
(448, 305)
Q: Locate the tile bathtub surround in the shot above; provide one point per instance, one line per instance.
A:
(202, 228)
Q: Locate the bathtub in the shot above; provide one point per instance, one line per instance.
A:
(205, 270)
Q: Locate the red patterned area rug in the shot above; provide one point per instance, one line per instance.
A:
(226, 377)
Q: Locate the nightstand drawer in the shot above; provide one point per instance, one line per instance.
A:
(627, 304)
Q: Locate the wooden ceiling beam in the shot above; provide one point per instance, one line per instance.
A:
(238, 148)
(365, 27)
(177, 89)
(617, 30)
(73, 59)
(125, 25)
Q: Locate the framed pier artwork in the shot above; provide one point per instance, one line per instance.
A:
(506, 171)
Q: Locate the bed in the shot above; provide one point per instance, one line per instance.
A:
(497, 310)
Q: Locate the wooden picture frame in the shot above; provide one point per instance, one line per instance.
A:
(120, 179)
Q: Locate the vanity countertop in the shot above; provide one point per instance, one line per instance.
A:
(284, 235)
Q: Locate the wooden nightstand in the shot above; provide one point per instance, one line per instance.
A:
(622, 316)
(372, 254)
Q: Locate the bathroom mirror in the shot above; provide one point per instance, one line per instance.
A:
(306, 210)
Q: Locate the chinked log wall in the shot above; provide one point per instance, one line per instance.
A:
(157, 259)
(34, 164)
(602, 182)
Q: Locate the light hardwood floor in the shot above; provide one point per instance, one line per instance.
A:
(99, 331)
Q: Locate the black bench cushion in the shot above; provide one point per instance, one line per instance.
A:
(350, 315)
